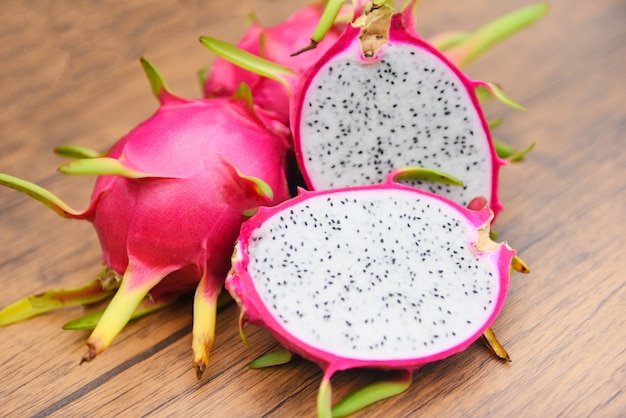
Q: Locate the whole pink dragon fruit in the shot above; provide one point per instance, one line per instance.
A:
(381, 276)
(277, 44)
(382, 98)
(167, 207)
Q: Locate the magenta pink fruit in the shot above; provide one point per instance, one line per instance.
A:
(277, 44)
(169, 201)
(380, 276)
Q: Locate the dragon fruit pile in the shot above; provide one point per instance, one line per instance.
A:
(385, 262)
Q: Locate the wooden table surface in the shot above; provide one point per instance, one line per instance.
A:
(69, 73)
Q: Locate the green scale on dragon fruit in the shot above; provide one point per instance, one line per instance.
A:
(382, 98)
(167, 207)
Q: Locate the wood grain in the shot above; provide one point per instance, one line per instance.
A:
(69, 73)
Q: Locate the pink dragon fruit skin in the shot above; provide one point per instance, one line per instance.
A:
(246, 283)
(277, 44)
(218, 131)
(169, 201)
(187, 217)
(352, 153)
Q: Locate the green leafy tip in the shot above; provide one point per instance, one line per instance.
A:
(157, 82)
(324, 398)
(90, 320)
(333, 12)
(329, 16)
(424, 174)
(519, 155)
(158, 85)
(494, 32)
(251, 19)
(262, 44)
(103, 166)
(249, 213)
(248, 61)
(507, 152)
(494, 123)
(260, 187)
(202, 75)
(503, 149)
(497, 92)
(244, 93)
(242, 334)
(51, 300)
(482, 93)
(372, 393)
(275, 358)
(76, 152)
(40, 194)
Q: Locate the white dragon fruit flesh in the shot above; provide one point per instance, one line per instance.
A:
(382, 98)
(167, 207)
(380, 276)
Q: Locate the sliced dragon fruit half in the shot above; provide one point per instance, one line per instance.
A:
(381, 276)
(382, 98)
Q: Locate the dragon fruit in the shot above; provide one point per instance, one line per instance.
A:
(276, 44)
(380, 276)
(167, 207)
(382, 98)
